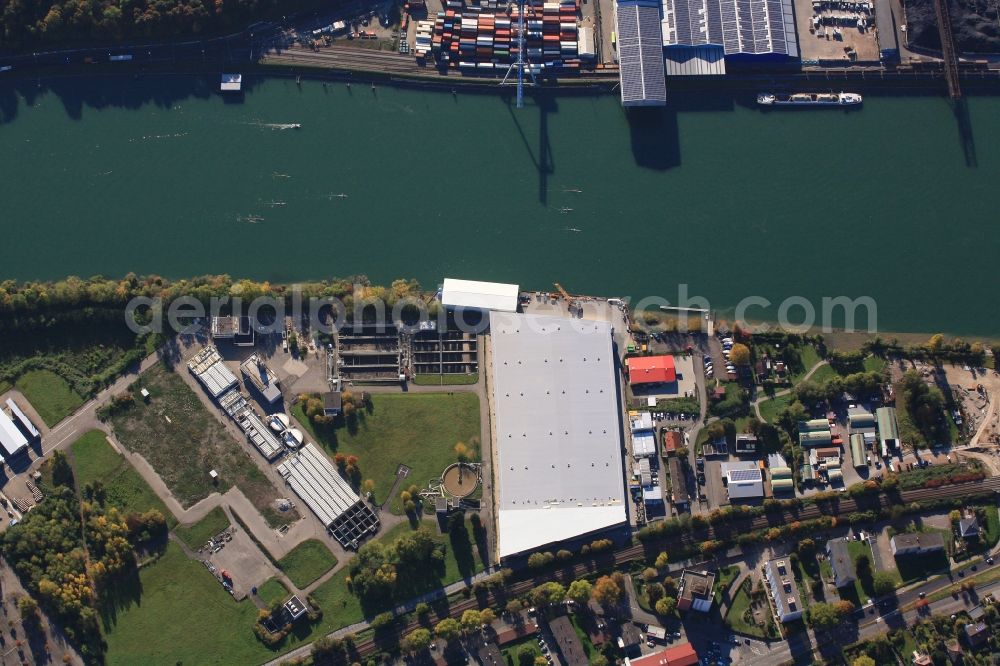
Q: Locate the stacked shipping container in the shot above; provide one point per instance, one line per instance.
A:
(477, 37)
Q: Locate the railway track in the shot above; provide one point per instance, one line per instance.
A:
(844, 506)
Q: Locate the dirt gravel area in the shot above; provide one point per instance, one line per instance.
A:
(244, 561)
(818, 41)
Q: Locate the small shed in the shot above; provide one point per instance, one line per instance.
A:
(232, 83)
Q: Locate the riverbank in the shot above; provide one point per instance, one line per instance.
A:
(364, 67)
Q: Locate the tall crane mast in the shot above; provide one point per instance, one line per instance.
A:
(522, 60)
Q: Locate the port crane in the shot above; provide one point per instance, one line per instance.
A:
(521, 63)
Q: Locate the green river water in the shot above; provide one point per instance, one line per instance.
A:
(161, 175)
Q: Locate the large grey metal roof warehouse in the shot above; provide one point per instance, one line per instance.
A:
(640, 53)
(558, 436)
(314, 479)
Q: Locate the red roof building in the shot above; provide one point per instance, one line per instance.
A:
(671, 440)
(651, 370)
(679, 655)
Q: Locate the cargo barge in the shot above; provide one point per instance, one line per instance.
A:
(810, 99)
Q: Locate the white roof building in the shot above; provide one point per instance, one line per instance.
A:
(558, 442)
(12, 439)
(314, 479)
(643, 444)
(743, 480)
(231, 82)
(479, 295)
(259, 435)
(16, 412)
(213, 374)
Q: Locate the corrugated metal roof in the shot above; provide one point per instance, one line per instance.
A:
(260, 435)
(314, 479)
(23, 418)
(12, 439)
(643, 443)
(640, 54)
(695, 61)
(887, 425)
(479, 295)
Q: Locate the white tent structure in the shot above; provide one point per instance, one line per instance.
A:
(558, 460)
(474, 295)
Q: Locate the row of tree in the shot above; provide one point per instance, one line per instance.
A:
(28, 23)
(98, 291)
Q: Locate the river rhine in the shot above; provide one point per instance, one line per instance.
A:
(160, 175)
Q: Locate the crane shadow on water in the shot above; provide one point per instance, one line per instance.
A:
(541, 157)
(960, 108)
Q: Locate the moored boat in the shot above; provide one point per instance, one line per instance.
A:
(809, 99)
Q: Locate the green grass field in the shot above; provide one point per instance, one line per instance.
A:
(808, 357)
(823, 374)
(992, 526)
(770, 409)
(446, 380)
(306, 562)
(197, 534)
(51, 395)
(740, 619)
(184, 617)
(183, 441)
(874, 364)
(272, 591)
(419, 430)
(95, 460)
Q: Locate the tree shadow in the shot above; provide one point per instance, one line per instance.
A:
(461, 548)
(102, 91)
(121, 595)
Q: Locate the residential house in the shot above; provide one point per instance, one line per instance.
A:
(968, 528)
(784, 591)
(916, 543)
(841, 562)
(569, 645)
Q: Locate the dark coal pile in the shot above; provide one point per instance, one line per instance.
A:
(976, 24)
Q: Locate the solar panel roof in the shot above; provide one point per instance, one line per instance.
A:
(741, 26)
(640, 54)
(744, 475)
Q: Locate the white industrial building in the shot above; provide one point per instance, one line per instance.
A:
(473, 295)
(259, 434)
(744, 480)
(213, 374)
(23, 419)
(643, 437)
(13, 440)
(316, 481)
(558, 450)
